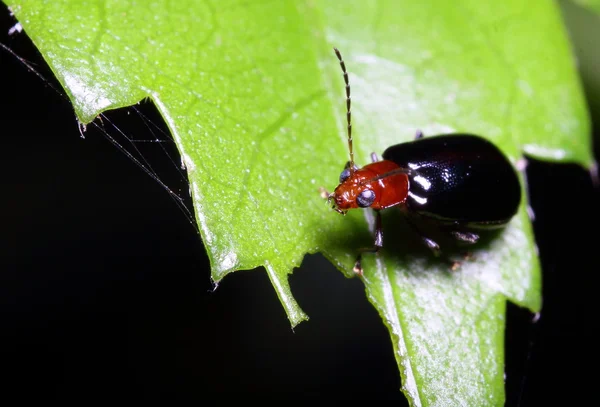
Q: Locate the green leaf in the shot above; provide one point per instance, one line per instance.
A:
(253, 96)
(593, 5)
(582, 19)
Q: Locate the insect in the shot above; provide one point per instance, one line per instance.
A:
(461, 183)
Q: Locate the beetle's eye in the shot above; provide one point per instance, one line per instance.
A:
(365, 198)
(345, 175)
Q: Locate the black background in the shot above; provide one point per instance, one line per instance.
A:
(105, 288)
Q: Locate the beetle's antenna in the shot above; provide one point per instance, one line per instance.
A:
(348, 110)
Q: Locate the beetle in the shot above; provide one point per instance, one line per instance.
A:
(462, 183)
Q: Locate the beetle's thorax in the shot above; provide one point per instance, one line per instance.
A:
(389, 191)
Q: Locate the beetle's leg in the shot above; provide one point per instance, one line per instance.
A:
(418, 134)
(431, 244)
(374, 157)
(466, 257)
(376, 246)
(465, 237)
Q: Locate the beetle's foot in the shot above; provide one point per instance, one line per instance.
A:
(358, 268)
(418, 135)
(455, 265)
